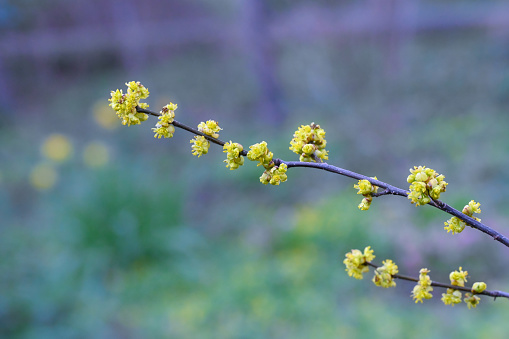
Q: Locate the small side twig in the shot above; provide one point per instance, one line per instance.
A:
(494, 294)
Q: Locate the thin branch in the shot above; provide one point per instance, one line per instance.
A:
(494, 294)
(388, 189)
(187, 128)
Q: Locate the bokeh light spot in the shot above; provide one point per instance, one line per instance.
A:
(43, 176)
(96, 154)
(57, 147)
(104, 116)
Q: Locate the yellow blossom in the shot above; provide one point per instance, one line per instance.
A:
(423, 288)
(309, 142)
(366, 189)
(355, 262)
(125, 104)
(471, 300)
(425, 184)
(234, 159)
(260, 152)
(210, 128)
(456, 225)
(458, 278)
(478, 287)
(275, 175)
(384, 275)
(200, 145)
(452, 297)
(164, 127)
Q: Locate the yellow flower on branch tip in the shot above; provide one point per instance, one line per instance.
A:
(210, 128)
(233, 157)
(423, 288)
(452, 297)
(458, 278)
(384, 274)
(200, 145)
(355, 262)
(471, 300)
(125, 104)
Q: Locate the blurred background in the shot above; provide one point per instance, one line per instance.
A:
(106, 232)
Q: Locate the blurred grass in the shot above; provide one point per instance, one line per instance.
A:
(160, 244)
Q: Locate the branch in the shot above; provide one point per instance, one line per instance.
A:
(187, 128)
(388, 189)
(494, 294)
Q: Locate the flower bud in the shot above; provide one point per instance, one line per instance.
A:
(478, 287)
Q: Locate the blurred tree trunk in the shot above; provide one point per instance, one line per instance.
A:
(259, 49)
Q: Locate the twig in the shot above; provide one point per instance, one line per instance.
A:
(494, 294)
(388, 189)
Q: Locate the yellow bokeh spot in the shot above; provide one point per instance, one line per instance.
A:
(43, 176)
(57, 147)
(96, 154)
(104, 116)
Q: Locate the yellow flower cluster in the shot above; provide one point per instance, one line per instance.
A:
(125, 104)
(423, 288)
(355, 262)
(200, 145)
(210, 128)
(164, 127)
(470, 298)
(366, 189)
(458, 278)
(456, 225)
(233, 157)
(425, 183)
(384, 274)
(275, 175)
(260, 152)
(309, 142)
(452, 297)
